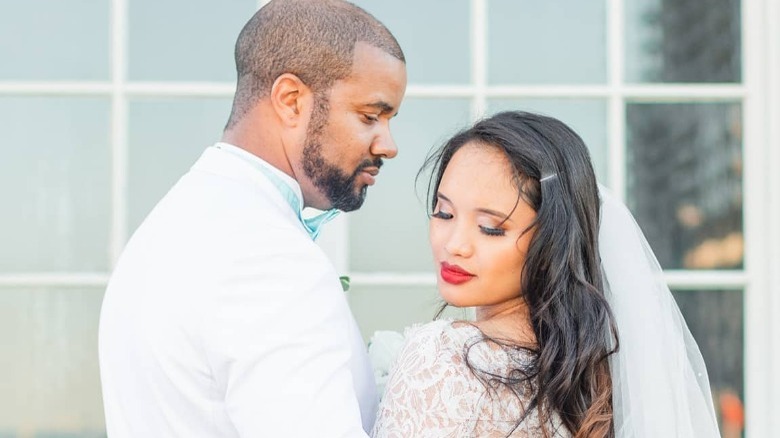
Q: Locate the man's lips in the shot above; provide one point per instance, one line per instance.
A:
(373, 171)
(370, 174)
(454, 274)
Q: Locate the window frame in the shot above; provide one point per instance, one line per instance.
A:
(759, 94)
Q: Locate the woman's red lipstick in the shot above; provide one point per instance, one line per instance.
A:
(454, 274)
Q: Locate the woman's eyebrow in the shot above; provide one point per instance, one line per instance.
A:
(498, 214)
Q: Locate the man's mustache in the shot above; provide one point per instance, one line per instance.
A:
(376, 162)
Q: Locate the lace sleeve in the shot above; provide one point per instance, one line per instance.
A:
(418, 386)
(431, 392)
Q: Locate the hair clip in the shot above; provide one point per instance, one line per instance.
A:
(543, 179)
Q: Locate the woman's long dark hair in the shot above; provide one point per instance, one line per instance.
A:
(562, 280)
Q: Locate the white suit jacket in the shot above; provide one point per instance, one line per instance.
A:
(224, 319)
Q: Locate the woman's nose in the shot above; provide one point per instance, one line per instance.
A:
(459, 243)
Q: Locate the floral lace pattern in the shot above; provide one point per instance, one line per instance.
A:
(431, 392)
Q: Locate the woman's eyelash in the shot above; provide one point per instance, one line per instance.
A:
(489, 231)
(492, 231)
(441, 215)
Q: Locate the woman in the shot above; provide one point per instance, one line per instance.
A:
(516, 233)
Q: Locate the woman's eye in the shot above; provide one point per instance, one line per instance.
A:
(371, 119)
(492, 231)
(441, 215)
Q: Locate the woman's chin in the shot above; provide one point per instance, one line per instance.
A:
(455, 299)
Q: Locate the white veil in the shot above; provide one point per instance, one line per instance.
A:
(659, 380)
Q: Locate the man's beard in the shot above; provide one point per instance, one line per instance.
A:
(337, 186)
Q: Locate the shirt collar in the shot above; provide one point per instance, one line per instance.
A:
(287, 186)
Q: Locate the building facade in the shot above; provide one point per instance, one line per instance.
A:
(105, 103)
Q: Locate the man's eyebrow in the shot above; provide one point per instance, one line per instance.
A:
(382, 106)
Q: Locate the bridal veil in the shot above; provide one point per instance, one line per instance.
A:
(659, 379)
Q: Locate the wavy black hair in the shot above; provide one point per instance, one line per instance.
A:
(562, 281)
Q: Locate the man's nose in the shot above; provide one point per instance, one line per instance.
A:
(384, 145)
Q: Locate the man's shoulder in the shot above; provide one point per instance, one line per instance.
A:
(215, 201)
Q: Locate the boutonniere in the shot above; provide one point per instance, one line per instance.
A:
(344, 282)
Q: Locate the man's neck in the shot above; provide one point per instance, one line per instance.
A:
(263, 143)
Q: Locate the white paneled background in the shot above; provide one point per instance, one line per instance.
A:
(104, 104)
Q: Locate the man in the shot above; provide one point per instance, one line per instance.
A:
(223, 318)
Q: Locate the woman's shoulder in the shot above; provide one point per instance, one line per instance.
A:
(442, 379)
(441, 327)
(433, 355)
(466, 336)
(453, 344)
(442, 334)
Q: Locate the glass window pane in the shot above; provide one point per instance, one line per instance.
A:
(586, 117)
(715, 318)
(185, 40)
(54, 40)
(166, 138)
(683, 41)
(396, 307)
(543, 42)
(434, 35)
(49, 364)
(684, 182)
(55, 183)
(394, 217)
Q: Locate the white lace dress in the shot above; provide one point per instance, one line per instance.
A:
(431, 392)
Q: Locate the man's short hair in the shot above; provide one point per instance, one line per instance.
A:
(312, 39)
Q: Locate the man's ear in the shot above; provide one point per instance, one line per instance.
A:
(291, 99)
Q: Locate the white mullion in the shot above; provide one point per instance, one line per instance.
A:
(695, 280)
(683, 280)
(441, 91)
(638, 92)
(479, 18)
(180, 89)
(616, 111)
(479, 58)
(772, 51)
(55, 88)
(547, 91)
(54, 279)
(758, 344)
(119, 115)
(393, 279)
(679, 92)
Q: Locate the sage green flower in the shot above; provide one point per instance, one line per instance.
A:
(344, 282)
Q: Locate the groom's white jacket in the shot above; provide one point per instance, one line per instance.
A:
(224, 319)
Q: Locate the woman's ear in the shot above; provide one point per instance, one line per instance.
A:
(291, 99)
